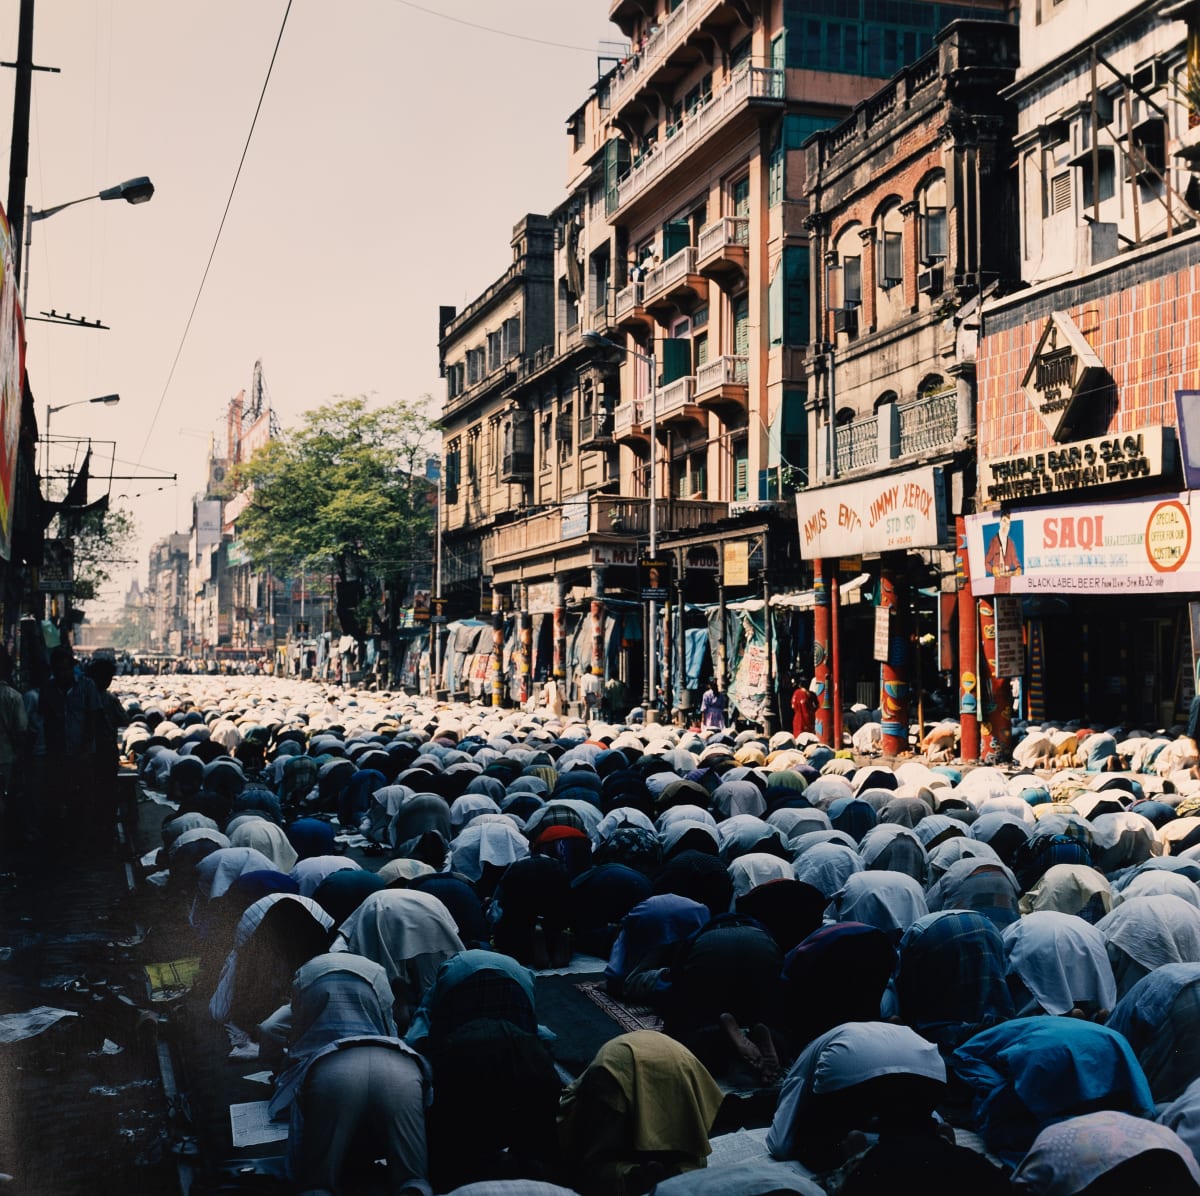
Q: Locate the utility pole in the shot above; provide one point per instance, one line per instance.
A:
(18, 161)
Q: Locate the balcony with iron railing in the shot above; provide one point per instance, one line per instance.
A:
(722, 384)
(752, 86)
(722, 248)
(596, 431)
(654, 53)
(675, 281)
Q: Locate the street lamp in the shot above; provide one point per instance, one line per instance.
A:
(597, 341)
(103, 400)
(137, 190)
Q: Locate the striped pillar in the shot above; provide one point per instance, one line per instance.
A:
(893, 697)
(968, 649)
(823, 716)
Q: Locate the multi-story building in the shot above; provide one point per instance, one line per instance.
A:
(255, 592)
(683, 241)
(1085, 531)
(911, 215)
(167, 592)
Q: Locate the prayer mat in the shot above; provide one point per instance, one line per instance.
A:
(628, 1017)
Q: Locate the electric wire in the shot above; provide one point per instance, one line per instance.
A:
(217, 239)
(520, 37)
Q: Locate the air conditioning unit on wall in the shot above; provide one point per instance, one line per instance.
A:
(932, 281)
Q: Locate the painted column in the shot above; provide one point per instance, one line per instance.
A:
(680, 641)
(497, 648)
(770, 711)
(597, 615)
(894, 696)
(722, 663)
(968, 649)
(524, 688)
(822, 717)
(998, 739)
(559, 668)
(835, 657)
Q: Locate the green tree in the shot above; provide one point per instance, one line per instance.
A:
(104, 541)
(346, 493)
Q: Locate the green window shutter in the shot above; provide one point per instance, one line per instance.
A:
(796, 299)
(741, 326)
(616, 163)
(676, 359)
(677, 235)
(741, 197)
(741, 477)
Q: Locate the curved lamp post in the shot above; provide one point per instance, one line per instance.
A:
(138, 190)
(602, 342)
(103, 400)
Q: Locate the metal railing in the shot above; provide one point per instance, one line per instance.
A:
(751, 83)
(929, 423)
(595, 427)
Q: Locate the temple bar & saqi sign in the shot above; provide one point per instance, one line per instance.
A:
(1082, 465)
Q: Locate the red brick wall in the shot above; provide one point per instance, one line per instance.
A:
(1147, 335)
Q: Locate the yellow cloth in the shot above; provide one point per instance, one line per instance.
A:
(667, 1097)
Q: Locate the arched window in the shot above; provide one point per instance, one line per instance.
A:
(931, 216)
(889, 247)
(888, 397)
(847, 289)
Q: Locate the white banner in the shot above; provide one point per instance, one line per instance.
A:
(1139, 546)
(893, 512)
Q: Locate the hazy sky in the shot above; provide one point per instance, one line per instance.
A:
(394, 151)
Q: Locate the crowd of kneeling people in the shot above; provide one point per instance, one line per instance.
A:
(894, 952)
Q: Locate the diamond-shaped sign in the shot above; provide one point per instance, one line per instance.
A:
(1063, 373)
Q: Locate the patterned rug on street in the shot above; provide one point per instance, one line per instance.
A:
(628, 1017)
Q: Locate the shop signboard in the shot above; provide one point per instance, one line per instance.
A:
(57, 572)
(1140, 546)
(892, 512)
(1010, 655)
(614, 554)
(655, 576)
(737, 563)
(1080, 465)
(575, 517)
(1062, 380)
(883, 632)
